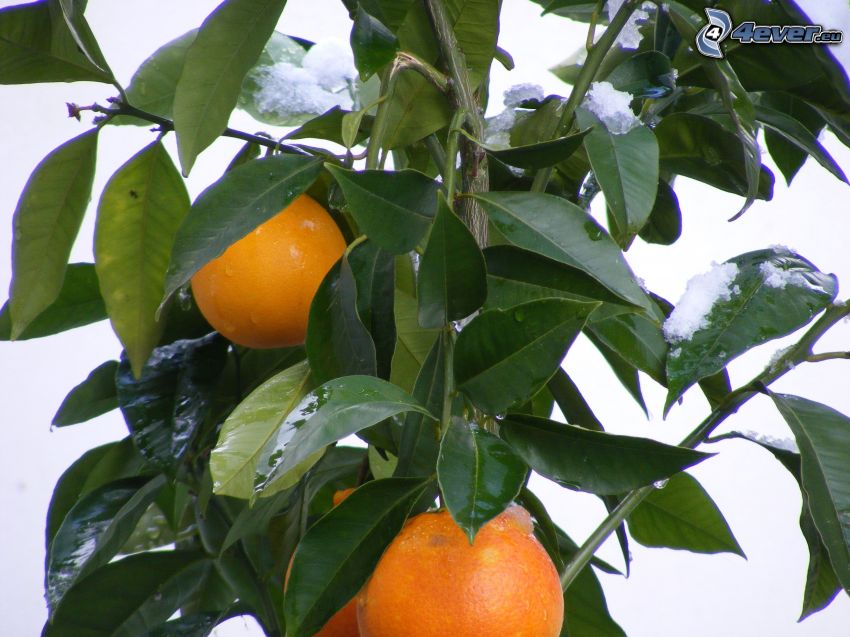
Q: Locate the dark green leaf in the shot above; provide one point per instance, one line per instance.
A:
(789, 157)
(139, 213)
(626, 167)
(560, 230)
(414, 342)
(226, 47)
(152, 587)
(593, 461)
(249, 427)
(823, 436)
(681, 515)
(586, 611)
(94, 530)
(328, 126)
(338, 408)
(95, 396)
(479, 475)
(373, 44)
(625, 372)
(545, 528)
(664, 226)
(329, 566)
(647, 74)
(36, 46)
(73, 15)
(196, 625)
(46, 222)
(636, 339)
(172, 398)
(233, 206)
(452, 278)
(542, 154)
(571, 403)
(773, 293)
(394, 209)
(79, 303)
(503, 357)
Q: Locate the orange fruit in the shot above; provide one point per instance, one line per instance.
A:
(344, 622)
(258, 293)
(431, 582)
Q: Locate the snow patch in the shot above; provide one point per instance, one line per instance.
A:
(612, 107)
(786, 444)
(519, 93)
(776, 277)
(703, 291)
(630, 36)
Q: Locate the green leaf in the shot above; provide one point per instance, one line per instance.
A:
(419, 445)
(95, 396)
(394, 209)
(664, 226)
(681, 515)
(227, 45)
(822, 436)
(626, 167)
(168, 403)
(648, 74)
(585, 609)
(593, 461)
(479, 475)
(153, 586)
(138, 216)
(571, 403)
(228, 210)
(373, 44)
(774, 292)
(36, 46)
(329, 124)
(331, 566)
(250, 426)
(337, 409)
(413, 344)
(560, 230)
(46, 222)
(75, 21)
(452, 278)
(94, 530)
(635, 339)
(542, 154)
(79, 303)
(789, 157)
(195, 625)
(503, 357)
(625, 372)
(154, 83)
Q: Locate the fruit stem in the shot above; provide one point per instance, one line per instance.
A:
(798, 353)
(596, 55)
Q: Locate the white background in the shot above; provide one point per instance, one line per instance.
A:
(670, 593)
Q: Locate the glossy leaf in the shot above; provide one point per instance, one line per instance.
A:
(557, 229)
(394, 209)
(647, 74)
(329, 567)
(774, 293)
(452, 277)
(586, 611)
(788, 156)
(626, 168)
(172, 398)
(636, 339)
(681, 515)
(664, 225)
(625, 372)
(233, 206)
(593, 461)
(95, 396)
(571, 403)
(541, 154)
(479, 475)
(37, 46)
(94, 530)
(153, 84)
(823, 436)
(227, 45)
(46, 222)
(373, 44)
(338, 408)
(503, 357)
(139, 213)
(79, 303)
(195, 625)
(374, 273)
(413, 344)
(153, 586)
(249, 427)
(328, 126)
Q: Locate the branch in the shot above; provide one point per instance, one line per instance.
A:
(827, 356)
(473, 158)
(732, 403)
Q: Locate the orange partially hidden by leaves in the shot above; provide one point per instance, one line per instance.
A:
(344, 622)
(431, 582)
(258, 293)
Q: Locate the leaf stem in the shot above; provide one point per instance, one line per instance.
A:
(798, 353)
(450, 165)
(591, 66)
(449, 380)
(827, 356)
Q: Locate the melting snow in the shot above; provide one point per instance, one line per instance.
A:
(775, 277)
(703, 291)
(498, 131)
(612, 107)
(519, 93)
(630, 36)
(786, 444)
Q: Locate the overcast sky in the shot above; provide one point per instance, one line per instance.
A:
(670, 593)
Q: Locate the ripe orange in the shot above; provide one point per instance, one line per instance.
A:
(431, 582)
(258, 293)
(344, 622)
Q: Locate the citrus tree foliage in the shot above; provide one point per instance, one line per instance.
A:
(473, 264)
